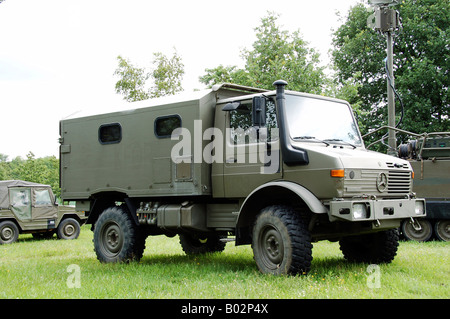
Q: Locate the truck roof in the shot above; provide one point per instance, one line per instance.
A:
(221, 91)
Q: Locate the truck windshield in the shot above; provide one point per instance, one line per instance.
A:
(320, 120)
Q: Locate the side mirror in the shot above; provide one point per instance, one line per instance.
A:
(259, 111)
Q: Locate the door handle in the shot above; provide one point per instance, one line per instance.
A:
(231, 160)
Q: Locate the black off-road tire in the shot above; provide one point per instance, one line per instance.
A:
(9, 232)
(281, 242)
(68, 228)
(376, 248)
(117, 238)
(198, 245)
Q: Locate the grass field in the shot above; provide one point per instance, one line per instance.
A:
(69, 269)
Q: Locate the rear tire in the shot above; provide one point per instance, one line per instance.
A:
(117, 238)
(376, 248)
(9, 232)
(281, 242)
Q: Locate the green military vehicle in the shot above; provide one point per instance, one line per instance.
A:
(275, 169)
(429, 155)
(27, 207)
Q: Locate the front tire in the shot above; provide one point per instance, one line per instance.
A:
(376, 248)
(281, 242)
(117, 238)
(68, 228)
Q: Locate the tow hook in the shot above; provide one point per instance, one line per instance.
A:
(415, 224)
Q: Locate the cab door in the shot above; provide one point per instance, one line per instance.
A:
(20, 201)
(251, 155)
(44, 211)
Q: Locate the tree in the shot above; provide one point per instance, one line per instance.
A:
(276, 54)
(421, 65)
(4, 167)
(38, 170)
(224, 74)
(166, 75)
(131, 81)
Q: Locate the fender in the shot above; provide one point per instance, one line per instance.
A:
(271, 193)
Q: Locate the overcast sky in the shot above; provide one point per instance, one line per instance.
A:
(57, 57)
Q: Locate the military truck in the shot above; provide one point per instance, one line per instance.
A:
(27, 207)
(277, 170)
(429, 155)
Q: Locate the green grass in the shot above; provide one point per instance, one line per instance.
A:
(39, 269)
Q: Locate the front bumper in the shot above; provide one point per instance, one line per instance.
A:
(376, 209)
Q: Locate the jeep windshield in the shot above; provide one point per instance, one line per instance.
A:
(322, 121)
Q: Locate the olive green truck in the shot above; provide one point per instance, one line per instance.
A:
(275, 169)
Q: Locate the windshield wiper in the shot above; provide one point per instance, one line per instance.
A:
(310, 138)
(342, 141)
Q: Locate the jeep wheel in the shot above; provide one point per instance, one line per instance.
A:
(9, 233)
(68, 228)
(117, 237)
(410, 232)
(376, 248)
(197, 245)
(281, 242)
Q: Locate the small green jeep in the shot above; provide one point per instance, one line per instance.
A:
(27, 207)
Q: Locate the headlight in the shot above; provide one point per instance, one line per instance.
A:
(360, 211)
(419, 209)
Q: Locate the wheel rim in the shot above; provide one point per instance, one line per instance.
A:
(111, 239)
(271, 247)
(7, 233)
(69, 230)
(419, 235)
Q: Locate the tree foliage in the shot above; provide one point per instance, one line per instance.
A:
(38, 170)
(276, 54)
(166, 75)
(131, 83)
(421, 65)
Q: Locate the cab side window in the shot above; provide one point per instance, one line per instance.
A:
(241, 127)
(42, 197)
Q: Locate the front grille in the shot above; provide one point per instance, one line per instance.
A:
(399, 182)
